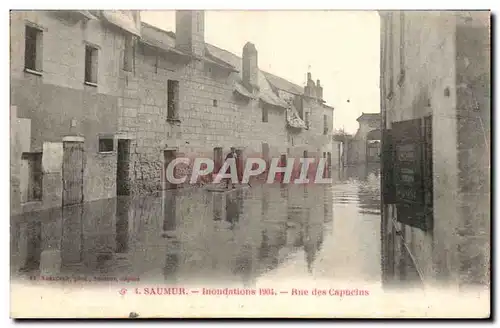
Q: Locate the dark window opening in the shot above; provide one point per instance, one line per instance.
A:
(173, 99)
(91, 64)
(215, 102)
(33, 49)
(105, 144)
(265, 115)
(32, 191)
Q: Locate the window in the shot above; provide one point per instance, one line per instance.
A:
(33, 49)
(307, 120)
(31, 177)
(215, 102)
(173, 99)
(106, 144)
(325, 124)
(90, 64)
(265, 115)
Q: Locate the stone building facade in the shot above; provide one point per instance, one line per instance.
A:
(435, 68)
(106, 101)
(364, 147)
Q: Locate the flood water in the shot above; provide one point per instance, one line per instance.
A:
(203, 237)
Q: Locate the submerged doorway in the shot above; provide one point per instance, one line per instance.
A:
(123, 168)
(73, 167)
(169, 155)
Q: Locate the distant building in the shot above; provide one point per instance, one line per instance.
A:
(435, 101)
(364, 147)
(103, 102)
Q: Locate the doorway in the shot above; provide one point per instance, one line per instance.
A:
(72, 173)
(283, 163)
(239, 164)
(123, 168)
(329, 165)
(169, 155)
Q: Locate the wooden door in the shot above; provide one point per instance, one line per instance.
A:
(73, 173)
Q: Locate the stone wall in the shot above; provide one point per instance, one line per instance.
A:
(203, 124)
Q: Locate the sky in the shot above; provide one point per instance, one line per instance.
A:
(341, 48)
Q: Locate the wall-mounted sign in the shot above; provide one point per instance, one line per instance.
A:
(411, 172)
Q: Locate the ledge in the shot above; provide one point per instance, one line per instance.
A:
(105, 153)
(173, 120)
(32, 71)
(74, 139)
(92, 84)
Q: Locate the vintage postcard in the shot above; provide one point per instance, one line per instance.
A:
(212, 164)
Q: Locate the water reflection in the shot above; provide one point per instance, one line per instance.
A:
(182, 236)
(33, 233)
(367, 178)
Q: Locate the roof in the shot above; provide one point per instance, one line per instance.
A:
(328, 106)
(282, 84)
(125, 19)
(166, 40)
(368, 116)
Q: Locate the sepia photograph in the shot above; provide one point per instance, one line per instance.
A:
(201, 163)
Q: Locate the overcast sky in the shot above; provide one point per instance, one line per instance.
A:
(340, 47)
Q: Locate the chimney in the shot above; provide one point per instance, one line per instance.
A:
(250, 67)
(319, 90)
(310, 89)
(190, 31)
